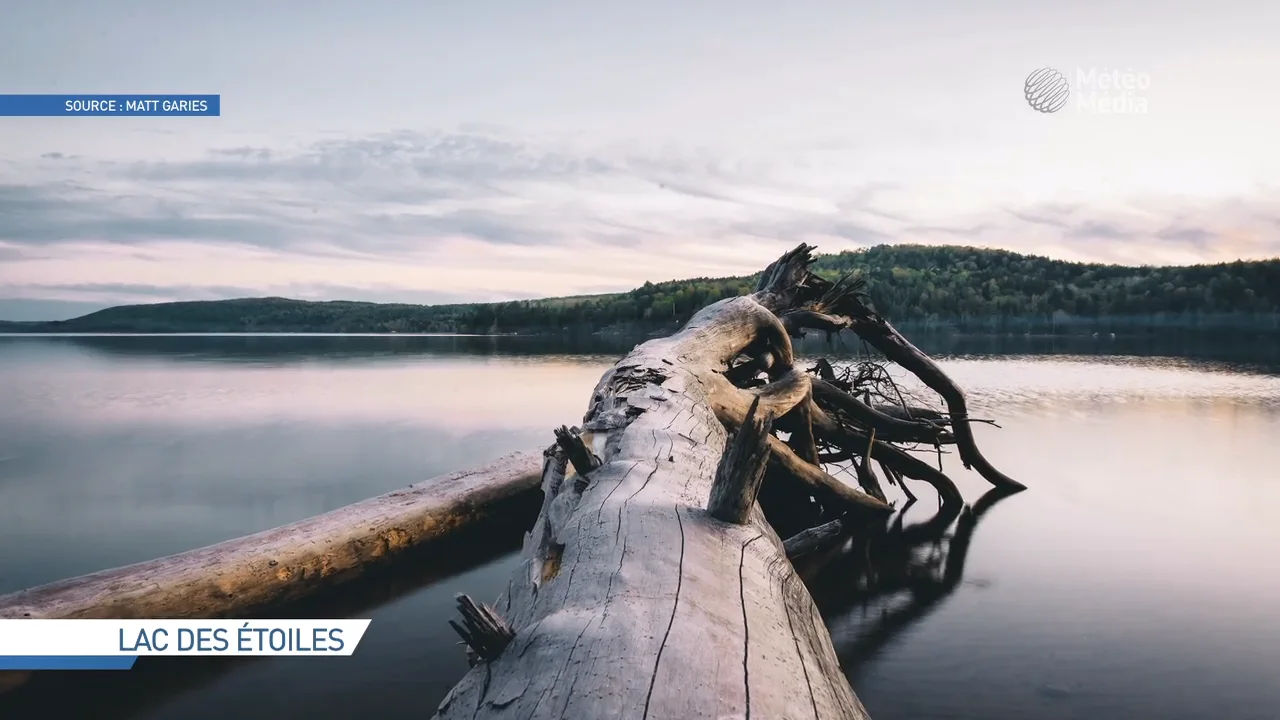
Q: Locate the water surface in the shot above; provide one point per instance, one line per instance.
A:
(1136, 579)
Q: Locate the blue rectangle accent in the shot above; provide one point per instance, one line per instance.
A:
(67, 662)
(110, 105)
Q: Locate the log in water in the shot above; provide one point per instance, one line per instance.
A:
(654, 583)
(634, 599)
(288, 563)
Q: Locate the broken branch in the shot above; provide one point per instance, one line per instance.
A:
(741, 469)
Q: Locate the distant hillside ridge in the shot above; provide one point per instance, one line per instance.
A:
(961, 288)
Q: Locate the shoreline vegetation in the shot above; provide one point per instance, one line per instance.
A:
(922, 288)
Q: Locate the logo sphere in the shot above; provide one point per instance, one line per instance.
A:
(1046, 90)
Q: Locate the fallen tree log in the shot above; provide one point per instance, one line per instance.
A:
(652, 585)
(289, 563)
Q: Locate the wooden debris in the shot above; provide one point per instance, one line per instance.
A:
(240, 577)
(741, 469)
(482, 629)
(814, 538)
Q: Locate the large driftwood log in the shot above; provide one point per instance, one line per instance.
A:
(633, 600)
(289, 563)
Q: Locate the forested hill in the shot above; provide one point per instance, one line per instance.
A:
(964, 288)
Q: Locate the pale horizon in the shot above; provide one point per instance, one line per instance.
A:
(401, 152)
(35, 310)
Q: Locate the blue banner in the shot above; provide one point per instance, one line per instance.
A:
(67, 662)
(110, 105)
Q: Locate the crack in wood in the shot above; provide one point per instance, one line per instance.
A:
(786, 604)
(532, 637)
(631, 497)
(816, 628)
(614, 489)
(484, 690)
(675, 605)
(577, 532)
(604, 612)
(568, 660)
(746, 628)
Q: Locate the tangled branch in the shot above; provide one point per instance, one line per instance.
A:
(856, 418)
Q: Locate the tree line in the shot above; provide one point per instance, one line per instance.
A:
(933, 286)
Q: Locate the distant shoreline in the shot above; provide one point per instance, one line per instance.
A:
(920, 288)
(1074, 331)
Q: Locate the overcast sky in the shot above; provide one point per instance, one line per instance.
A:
(454, 151)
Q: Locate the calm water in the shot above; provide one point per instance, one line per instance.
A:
(1137, 578)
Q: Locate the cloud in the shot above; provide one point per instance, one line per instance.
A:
(813, 226)
(428, 165)
(479, 214)
(1197, 236)
(11, 253)
(398, 193)
(1099, 229)
(1171, 230)
(1037, 218)
(958, 231)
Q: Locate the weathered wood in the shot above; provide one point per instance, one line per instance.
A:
(288, 563)
(888, 427)
(483, 630)
(741, 469)
(780, 397)
(800, 424)
(895, 478)
(840, 306)
(581, 456)
(901, 462)
(882, 336)
(631, 601)
(821, 483)
(814, 538)
(866, 475)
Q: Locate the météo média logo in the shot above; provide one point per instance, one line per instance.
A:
(1097, 91)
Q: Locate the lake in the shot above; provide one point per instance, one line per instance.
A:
(1138, 577)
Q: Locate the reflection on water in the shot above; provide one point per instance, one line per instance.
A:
(1257, 353)
(286, 349)
(408, 645)
(891, 576)
(1136, 578)
(117, 458)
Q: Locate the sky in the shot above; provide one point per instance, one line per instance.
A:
(435, 151)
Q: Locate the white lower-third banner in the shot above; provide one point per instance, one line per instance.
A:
(117, 644)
